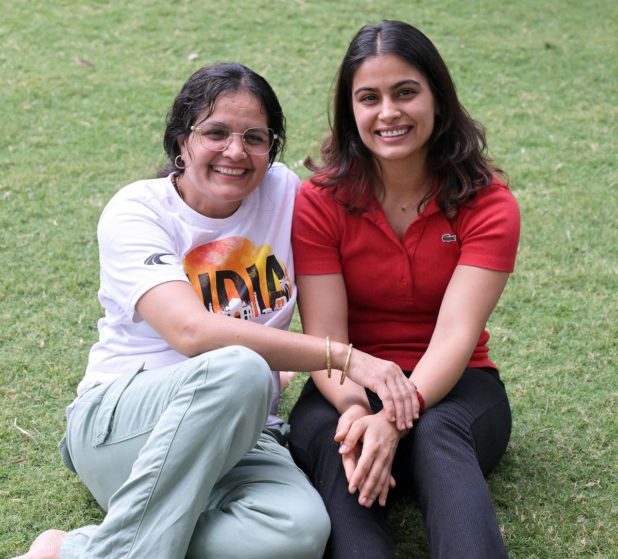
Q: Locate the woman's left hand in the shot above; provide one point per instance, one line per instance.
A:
(367, 452)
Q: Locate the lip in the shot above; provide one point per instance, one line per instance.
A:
(393, 132)
(229, 172)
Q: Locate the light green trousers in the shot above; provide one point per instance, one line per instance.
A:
(178, 459)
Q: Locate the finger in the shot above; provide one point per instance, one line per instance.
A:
(416, 404)
(384, 493)
(410, 400)
(343, 426)
(402, 391)
(353, 436)
(349, 462)
(396, 395)
(378, 473)
(388, 403)
(363, 467)
(373, 485)
(357, 480)
(389, 484)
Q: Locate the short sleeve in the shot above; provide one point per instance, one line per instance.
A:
(489, 229)
(316, 232)
(136, 253)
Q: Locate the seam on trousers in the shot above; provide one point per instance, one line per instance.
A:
(158, 476)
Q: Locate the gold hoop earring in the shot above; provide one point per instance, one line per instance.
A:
(179, 163)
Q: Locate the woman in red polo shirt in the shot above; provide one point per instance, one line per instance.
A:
(403, 243)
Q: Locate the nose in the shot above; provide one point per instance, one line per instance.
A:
(389, 110)
(235, 148)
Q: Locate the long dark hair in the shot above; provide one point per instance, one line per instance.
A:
(456, 150)
(200, 93)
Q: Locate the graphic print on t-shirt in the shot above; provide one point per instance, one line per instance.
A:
(234, 277)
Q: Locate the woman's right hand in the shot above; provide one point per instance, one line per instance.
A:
(386, 379)
(368, 446)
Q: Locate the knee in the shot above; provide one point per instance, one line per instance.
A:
(246, 360)
(230, 378)
(305, 533)
(239, 370)
(248, 372)
(441, 445)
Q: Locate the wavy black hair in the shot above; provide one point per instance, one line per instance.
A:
(456, 150)
(200, 93)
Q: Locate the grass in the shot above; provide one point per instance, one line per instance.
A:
(85, 87)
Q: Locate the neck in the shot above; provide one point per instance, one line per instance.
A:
(405, 174)
(205, 209)
(404, 186)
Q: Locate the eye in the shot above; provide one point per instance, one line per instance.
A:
(368, 98)
(215, 133)
(256, 137)
(407, 92)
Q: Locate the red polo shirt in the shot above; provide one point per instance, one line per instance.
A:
(395, 286)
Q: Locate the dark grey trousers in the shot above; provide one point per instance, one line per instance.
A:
(442, 464)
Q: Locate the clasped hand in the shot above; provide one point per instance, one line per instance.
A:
(368, 446)
(397, 393)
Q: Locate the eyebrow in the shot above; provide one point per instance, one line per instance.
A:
(395, 86)
(225, 125)
(212, 122)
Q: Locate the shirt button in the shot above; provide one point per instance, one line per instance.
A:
(403, 281)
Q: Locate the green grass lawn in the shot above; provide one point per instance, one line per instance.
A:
(85, 88)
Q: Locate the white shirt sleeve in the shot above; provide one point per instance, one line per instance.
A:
(137, 252)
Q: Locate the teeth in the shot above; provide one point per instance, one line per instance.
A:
(228, 171)
(393, 133)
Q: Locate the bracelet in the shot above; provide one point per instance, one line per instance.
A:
(346, 365)
(328, 358)
(421, 402)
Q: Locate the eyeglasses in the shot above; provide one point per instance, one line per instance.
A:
(218, 137)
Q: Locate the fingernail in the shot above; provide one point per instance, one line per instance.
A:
(343, 449)
(353, 489)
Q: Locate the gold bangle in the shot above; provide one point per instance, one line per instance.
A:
(328, 358)
(346, 365)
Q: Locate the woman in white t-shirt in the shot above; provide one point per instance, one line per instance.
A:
(171, 431)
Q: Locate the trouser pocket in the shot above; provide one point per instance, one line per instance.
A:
(64, 454)
(104, 418)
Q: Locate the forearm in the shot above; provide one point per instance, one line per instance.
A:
(174, 311)
(282, 350)
(299, 352)
(340, 396)
(441, 367)
(467, 304)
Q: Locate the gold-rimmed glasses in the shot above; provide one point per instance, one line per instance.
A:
(218, 137)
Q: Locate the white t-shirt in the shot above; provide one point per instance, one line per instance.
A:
(241, 265)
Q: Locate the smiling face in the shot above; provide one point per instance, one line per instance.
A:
(394, 110)
(214, 183)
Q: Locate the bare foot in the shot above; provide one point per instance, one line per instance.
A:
(285, 377)
(46, 546)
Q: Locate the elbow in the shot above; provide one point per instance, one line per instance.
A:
(188, 338)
